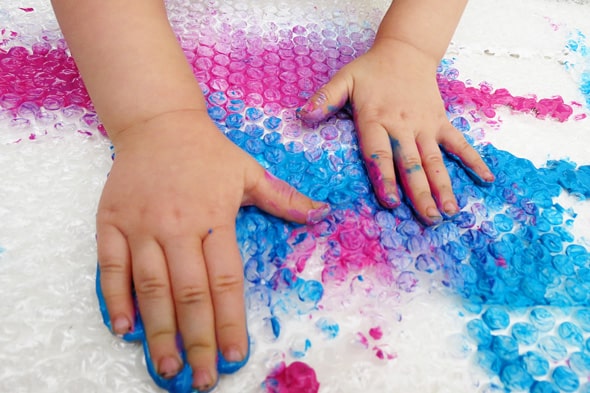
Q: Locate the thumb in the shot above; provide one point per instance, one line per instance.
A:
(327, 100)
(280, 199)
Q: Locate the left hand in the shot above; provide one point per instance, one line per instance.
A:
(401, 119)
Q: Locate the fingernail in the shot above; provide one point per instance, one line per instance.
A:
(121, 326)
(202, 380)
(489, 176)
(308, 107)
(169, 367)
(316, 215)
(450, 208)
(233, 355)
(434, 215)
(392, 201)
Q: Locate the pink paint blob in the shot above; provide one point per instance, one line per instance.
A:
(376, 333)
(297, 377)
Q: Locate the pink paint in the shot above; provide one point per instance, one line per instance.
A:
(376, 333)
(298, 377)
(485, 99)
(27, 9)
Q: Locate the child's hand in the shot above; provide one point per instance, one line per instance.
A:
(401, 119)
(166, 222)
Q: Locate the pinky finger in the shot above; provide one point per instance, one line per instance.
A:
(455, 144)
(115, 279)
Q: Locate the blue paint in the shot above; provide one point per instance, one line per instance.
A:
(329, 328)
(496, 318)
(565, 379)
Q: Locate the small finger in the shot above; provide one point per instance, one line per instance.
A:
(376, 150)
(226, 278)
(327, 100)
(194, 309)
(280, 199)
(414, 180)
(115, 278)
(154, 298)
(438, 176)
(457, 146)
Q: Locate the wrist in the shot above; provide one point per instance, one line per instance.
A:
(416, 57)
(177, 126)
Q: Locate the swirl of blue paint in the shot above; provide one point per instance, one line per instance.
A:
(474, 239)
(479, 332)
(514, 376)
(553, 348)
(542, 319)
(544, 387)
(254, 114)
(525, 333)
(311, 291)
(272, 122)
(489, 361)
(234, 120)
(236, 105)
(578, 253)
(582, 316)
(578, 290)
(496, 318)
(565, 379)
(535, 364)
(427, 263)
(254, 130)
(505, 347)
(217, 98)
(580, 362)
(564, 265)
(503, 223)
(464, 219)
(328, 327)
(216, 113)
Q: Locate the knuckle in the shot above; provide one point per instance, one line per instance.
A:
(191, 295)
(381, 154)
(433, 159)
(199, 346)
(411, 162)
(151, 287)
(227, 283)
(159, 334)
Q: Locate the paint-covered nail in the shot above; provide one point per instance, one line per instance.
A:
(317, 214)
(392, 201)
(233, 355)
(433, 215)
(121, 325)
(202, 380)
(450, 208)
(168, 367)
(488, 176)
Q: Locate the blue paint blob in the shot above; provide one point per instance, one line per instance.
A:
(525, 333)
(496, 318)
(565, 379)
(514, 376)
(505, 347)
(535, 364)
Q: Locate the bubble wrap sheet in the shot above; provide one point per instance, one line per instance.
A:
(492, 300)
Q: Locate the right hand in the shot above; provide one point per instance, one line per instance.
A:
(166, 223)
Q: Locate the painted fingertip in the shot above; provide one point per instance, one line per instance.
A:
(433, 216)
(121, 326)
(316, 215)
(485, 180)
(203, 380)
(169, 367)
(450, 209)
(391, 201)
